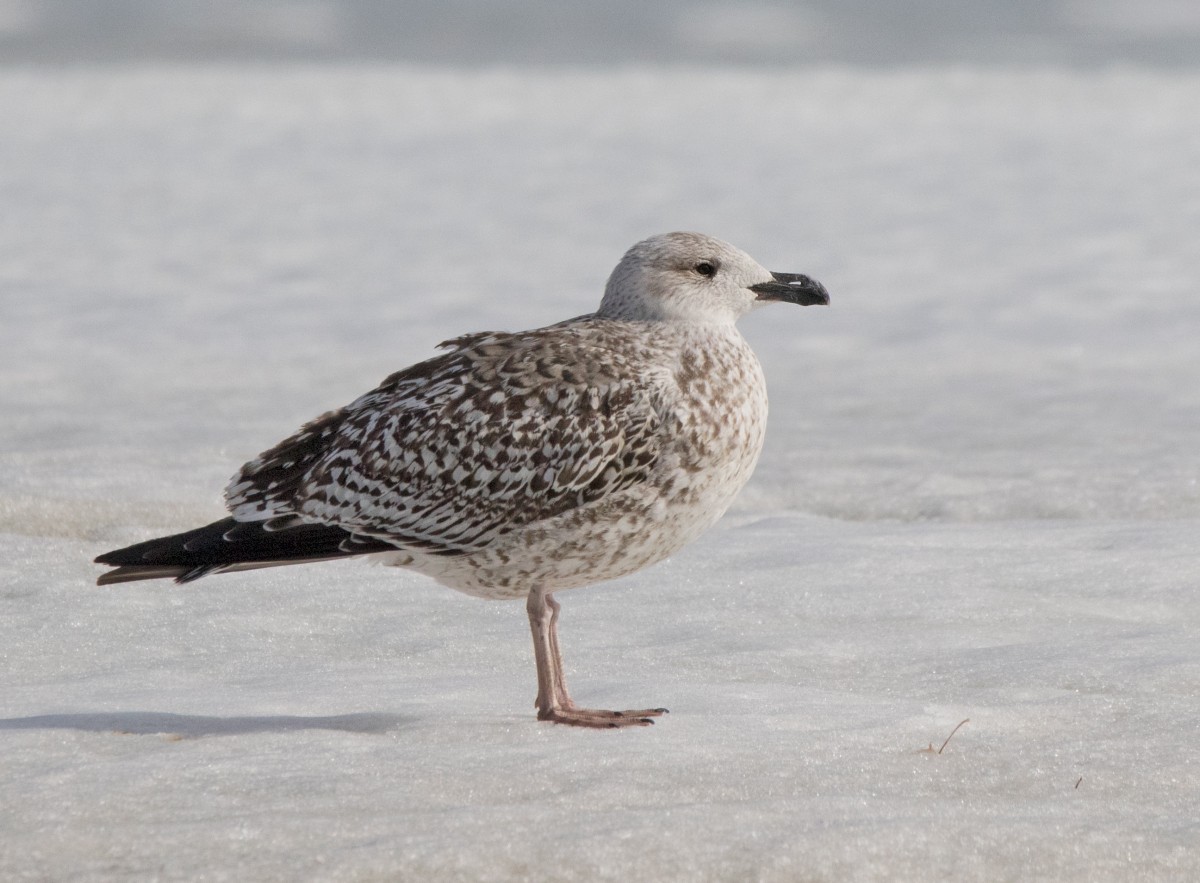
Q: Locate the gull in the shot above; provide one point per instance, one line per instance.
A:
(517, 465)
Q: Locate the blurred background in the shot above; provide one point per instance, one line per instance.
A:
(484, 32)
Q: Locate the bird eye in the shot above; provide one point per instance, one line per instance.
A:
(706, 269)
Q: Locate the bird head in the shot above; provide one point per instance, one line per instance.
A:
(693, 278)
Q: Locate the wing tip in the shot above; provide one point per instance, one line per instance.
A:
(133, 573)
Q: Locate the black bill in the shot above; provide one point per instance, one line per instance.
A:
(794, 288)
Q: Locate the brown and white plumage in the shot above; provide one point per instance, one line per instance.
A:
(448, 456)
(516, 465)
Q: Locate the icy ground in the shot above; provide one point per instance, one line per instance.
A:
(978, 498)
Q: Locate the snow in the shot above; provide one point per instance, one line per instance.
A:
(978, 499)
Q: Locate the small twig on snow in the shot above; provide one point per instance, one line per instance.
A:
(932, 750)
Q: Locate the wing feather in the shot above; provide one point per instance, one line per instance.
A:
(449, 454)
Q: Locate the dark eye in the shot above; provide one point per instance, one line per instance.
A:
(706, 269)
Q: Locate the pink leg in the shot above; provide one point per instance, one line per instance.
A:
(553, 701)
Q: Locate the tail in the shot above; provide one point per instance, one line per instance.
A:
(229, 545)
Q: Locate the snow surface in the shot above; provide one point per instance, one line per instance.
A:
(978, 499)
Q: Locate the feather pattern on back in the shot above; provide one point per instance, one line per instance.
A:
(503, 430)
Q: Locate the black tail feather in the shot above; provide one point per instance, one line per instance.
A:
(233, 545)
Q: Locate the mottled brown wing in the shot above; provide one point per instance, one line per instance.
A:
(459, 449)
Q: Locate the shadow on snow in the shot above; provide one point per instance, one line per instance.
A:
(144, 723)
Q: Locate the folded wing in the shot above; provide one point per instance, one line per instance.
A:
(450, 453)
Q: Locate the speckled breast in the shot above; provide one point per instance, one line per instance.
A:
(713, 406)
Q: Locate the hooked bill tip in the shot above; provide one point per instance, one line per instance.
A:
(793, 288)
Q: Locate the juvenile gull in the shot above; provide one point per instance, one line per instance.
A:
(516, 465)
